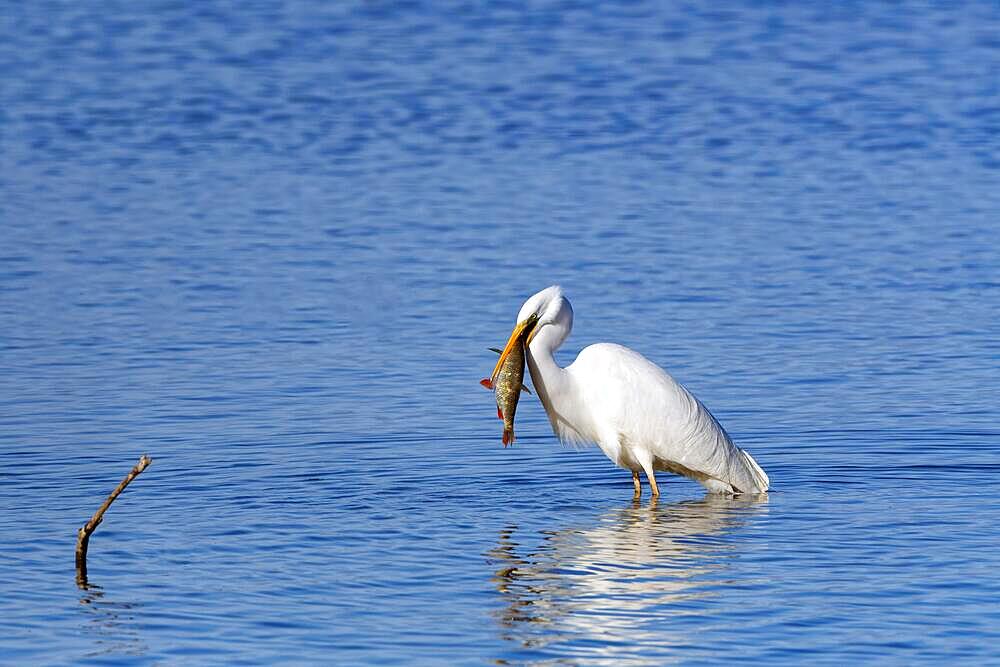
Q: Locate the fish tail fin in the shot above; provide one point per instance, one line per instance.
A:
(487, 382)
(508, 436)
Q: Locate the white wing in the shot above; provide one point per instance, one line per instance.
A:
(632, 400)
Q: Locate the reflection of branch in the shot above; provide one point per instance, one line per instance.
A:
(83, 535)
(112, 624)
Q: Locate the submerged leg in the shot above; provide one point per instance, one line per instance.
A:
(636, 483)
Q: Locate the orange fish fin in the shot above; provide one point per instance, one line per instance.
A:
(499, 414)
(486, 382)
(508, 437)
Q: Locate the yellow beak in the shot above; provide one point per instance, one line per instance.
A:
(520, 330)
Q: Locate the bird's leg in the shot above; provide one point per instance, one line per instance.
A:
(652, 481)
(646, 461)
(636, 483)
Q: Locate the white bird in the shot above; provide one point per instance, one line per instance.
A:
(639, 416)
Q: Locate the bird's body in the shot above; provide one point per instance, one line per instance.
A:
(639, 416)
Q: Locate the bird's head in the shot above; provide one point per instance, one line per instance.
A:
(552, 310)
(547, 311)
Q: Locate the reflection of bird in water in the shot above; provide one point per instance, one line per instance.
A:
(639, 416)
(618, 587)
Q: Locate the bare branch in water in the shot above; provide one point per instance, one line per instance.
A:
(83, 535)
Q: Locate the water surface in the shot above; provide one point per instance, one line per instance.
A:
(270, 244)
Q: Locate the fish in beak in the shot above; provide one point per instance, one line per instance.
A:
(507, 379)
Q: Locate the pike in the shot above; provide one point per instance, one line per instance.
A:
(507, 380)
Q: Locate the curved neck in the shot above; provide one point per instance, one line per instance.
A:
(549, 379)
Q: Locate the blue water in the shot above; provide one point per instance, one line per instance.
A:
(269, 243)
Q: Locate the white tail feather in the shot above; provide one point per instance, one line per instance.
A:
(760, 478)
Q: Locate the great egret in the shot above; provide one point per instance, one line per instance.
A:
(639, 416)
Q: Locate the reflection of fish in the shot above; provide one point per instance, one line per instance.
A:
(507, 381)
